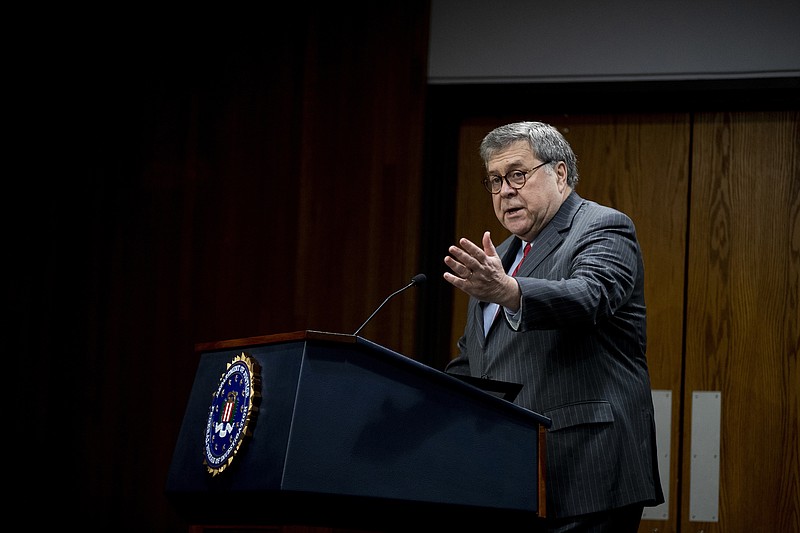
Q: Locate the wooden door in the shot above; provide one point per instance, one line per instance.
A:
(639, 165)
(743, 315)
(716, 202)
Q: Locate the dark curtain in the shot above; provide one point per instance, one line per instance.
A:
(184, 183)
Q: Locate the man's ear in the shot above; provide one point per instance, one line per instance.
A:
(561, 175)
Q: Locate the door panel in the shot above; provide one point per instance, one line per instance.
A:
(742, 326)
(635, 163)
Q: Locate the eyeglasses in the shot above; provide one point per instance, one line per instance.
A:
(516, 179)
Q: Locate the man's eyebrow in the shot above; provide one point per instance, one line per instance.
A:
(514, 165)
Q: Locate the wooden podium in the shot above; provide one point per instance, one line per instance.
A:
(349, 434)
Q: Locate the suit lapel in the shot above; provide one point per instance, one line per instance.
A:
(548, 240)
(511, 252)
(552, 235)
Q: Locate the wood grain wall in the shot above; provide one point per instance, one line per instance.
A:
(743, 313)
(715, 199)
(637, 163)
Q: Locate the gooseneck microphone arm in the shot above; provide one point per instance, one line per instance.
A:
(416, 280)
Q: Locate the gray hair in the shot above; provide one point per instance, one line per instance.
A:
(546, 143)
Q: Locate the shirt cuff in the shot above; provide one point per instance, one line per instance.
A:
(514, 318)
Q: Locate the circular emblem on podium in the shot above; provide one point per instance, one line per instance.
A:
(231, 417)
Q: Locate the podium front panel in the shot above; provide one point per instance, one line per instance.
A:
(371, 426)
(343, 427)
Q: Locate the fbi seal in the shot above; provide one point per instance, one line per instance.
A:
(232, 414)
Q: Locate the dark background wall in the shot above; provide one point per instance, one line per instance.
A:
(184, 182)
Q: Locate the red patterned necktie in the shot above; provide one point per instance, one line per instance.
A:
(524, 255)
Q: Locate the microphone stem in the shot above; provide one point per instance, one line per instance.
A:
(395, 293)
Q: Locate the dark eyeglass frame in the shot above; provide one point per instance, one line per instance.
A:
(488, 181)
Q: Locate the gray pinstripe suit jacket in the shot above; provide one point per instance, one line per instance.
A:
(580, 354)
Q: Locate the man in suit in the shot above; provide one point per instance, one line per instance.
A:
(569, 323)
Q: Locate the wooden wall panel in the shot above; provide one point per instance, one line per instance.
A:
(357, 225)
(742, 326)
(635, 163)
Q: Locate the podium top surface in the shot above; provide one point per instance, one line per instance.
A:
(490, 387)
(274, 338)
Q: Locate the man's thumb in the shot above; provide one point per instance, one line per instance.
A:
(488, 245)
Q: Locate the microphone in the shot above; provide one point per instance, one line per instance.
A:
(416, 280)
